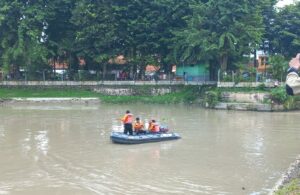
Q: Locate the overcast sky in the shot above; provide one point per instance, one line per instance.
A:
(282, 3)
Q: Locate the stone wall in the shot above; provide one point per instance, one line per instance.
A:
(51, 101)
(107, 83)
(257, 101)
(244, 97)
(247, 84)
(135, 90)
(244, 106)
(109, 88)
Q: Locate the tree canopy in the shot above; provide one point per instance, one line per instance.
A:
(160, 32)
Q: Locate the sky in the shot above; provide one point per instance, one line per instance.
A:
(282, 3)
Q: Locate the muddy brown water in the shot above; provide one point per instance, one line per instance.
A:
(65, 149)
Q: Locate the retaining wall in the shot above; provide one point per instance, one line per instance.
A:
(247, 101)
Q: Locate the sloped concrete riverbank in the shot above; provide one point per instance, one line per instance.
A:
(293, 172)
(72, 100)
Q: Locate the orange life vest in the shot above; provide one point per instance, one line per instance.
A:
(138, 126)
(154, 127)
(127, 119)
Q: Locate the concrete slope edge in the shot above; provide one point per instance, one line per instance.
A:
(50, 100)
(293, 172)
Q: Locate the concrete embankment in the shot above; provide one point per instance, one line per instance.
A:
(293, 172)
(118, 88)
(49, 100)
(247, 101)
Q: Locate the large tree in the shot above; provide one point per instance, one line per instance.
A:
(96, 39)
(21, 36)
(286, 33)
(60, 33)
(218, 30)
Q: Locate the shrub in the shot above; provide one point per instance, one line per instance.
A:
(290, 103)
(261, 87)
(278, 95)
(212, 98)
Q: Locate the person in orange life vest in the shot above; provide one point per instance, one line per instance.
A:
(138, 126)
(127, 121)
(153, 127)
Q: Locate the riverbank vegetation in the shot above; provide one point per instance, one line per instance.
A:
(6, 93)
(292, 188)
(188, 95)
(184, 95)
(203, 96)
(276, 96)
(84, 37)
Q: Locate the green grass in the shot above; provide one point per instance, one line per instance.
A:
(184, 96)
(172, 98)
(293, 188)
(29, 93)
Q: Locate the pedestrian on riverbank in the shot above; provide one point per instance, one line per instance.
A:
(292, 78)
(127, 121)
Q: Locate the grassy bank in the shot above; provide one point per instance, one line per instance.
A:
(292, 188)
(186, 95)
(43, 93)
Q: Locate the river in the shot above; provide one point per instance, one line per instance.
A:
(65, 149)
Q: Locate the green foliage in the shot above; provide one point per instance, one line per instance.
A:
(261, 87)
(290, 103)
(212, 98)
(278, 95)
(278, 66)
(160, 32)
(47, 92)
(291, 188)
(214, 31)
(186, 95)
(286, 31)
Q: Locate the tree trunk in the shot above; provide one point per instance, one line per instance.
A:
(223, 62)
(104, 71)
(54, 68)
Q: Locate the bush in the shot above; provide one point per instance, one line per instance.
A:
(290, 103)
(278, 95)
(212, 98)
(261, 87)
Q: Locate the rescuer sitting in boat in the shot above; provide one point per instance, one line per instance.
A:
(153, 126)
(138, 126)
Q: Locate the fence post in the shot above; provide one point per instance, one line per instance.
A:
(44, 77)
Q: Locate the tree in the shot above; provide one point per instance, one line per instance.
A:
(278, 66)
(96, 36)
(21, 27)
(286, 33)
(215, 32)
(60, 33)
(269, 13)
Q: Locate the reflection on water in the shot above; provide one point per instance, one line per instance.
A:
(66, 149)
